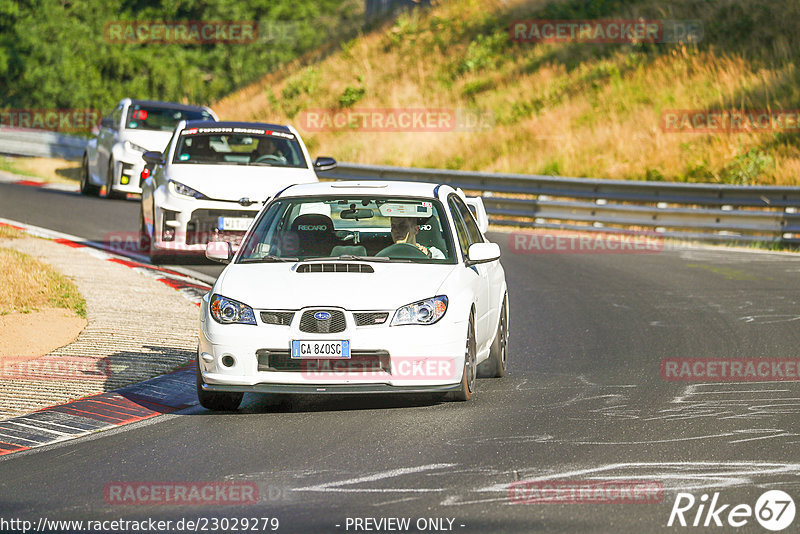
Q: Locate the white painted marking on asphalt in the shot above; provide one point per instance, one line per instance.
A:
(337, 486)
(769, 319)
(673, 475)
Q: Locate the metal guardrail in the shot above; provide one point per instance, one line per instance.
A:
(711, 212)
(677, 210)
(40, 143)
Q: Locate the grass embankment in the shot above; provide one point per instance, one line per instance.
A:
(30, 285)
(564, 109)
(52, 170)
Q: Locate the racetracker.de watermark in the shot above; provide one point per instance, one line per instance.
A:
(55, 120)
(397, 120)
(223, 493)
(582, 243)
(586, 491)
(730, 369)
(606, 31)
(181, 32)
(730, 121)
(55, 368)
(432, 368)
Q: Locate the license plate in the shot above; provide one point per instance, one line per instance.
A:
(234, 224)
(321, 349)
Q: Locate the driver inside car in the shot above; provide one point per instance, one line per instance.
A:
(404, 230)
(266, 150)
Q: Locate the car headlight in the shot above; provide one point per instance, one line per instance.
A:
(186, 191)
(229, 311)
(133, 146)
(426, 311)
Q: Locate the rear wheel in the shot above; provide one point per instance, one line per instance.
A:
(470, 356)
(217, 401)
(495, 364)
(87, 187)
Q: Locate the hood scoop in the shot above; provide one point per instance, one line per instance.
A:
(335, 267)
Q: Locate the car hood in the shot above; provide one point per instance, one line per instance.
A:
(233, 182)
(280, 286)
(149, 139)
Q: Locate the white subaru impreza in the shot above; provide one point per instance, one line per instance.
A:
(355, 287)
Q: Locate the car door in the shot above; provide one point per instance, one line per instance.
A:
(468, 233)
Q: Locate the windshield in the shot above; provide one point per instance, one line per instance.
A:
(144, 117)
(374, 228)
(239, 146)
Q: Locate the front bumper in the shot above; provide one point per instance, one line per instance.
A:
(408, 358)
(192, 223)
(127, 172)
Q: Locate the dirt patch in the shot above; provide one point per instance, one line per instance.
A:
(24, 336)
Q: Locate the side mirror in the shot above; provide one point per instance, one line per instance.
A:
(482, 253)
(324, 163)
(220, 251)
(153, 157)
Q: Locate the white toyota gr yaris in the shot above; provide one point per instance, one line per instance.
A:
(355, 287)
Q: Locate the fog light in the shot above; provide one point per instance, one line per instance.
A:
(168, 234)
(228, 360)
(124, 180)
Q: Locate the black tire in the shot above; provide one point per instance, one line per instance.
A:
(110, 193)
(497, 362)
(146, 242)
(469, 373)
(87, 187)
(216, 400)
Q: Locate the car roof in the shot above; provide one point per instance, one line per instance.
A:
(364, 187)
(169, 105)
(235, 124)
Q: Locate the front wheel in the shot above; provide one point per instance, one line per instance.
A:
(470, 357)
(87, 187)
(217, 401)
(146, 242)
(110, 193)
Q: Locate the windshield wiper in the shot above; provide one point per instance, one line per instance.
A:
(347, 257)
(268, 259)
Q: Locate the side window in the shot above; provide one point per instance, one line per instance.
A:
(473, 231)
(461, 229)
(116, 115)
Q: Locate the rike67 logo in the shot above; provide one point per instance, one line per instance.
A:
(774, 510)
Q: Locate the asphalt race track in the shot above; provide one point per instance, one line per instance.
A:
(584, 399)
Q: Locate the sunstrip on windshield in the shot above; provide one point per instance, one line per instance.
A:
(249, 131)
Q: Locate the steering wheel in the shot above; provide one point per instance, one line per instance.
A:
(271, 157)
(404, 251)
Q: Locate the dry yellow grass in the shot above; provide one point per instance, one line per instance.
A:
(52, 170)
(28, 285)
(8, 232)
(568, 109)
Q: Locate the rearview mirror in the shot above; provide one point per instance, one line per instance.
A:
(360, 213)
(220, 251)
(324, 163)
(482, 253)
(153, 157)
